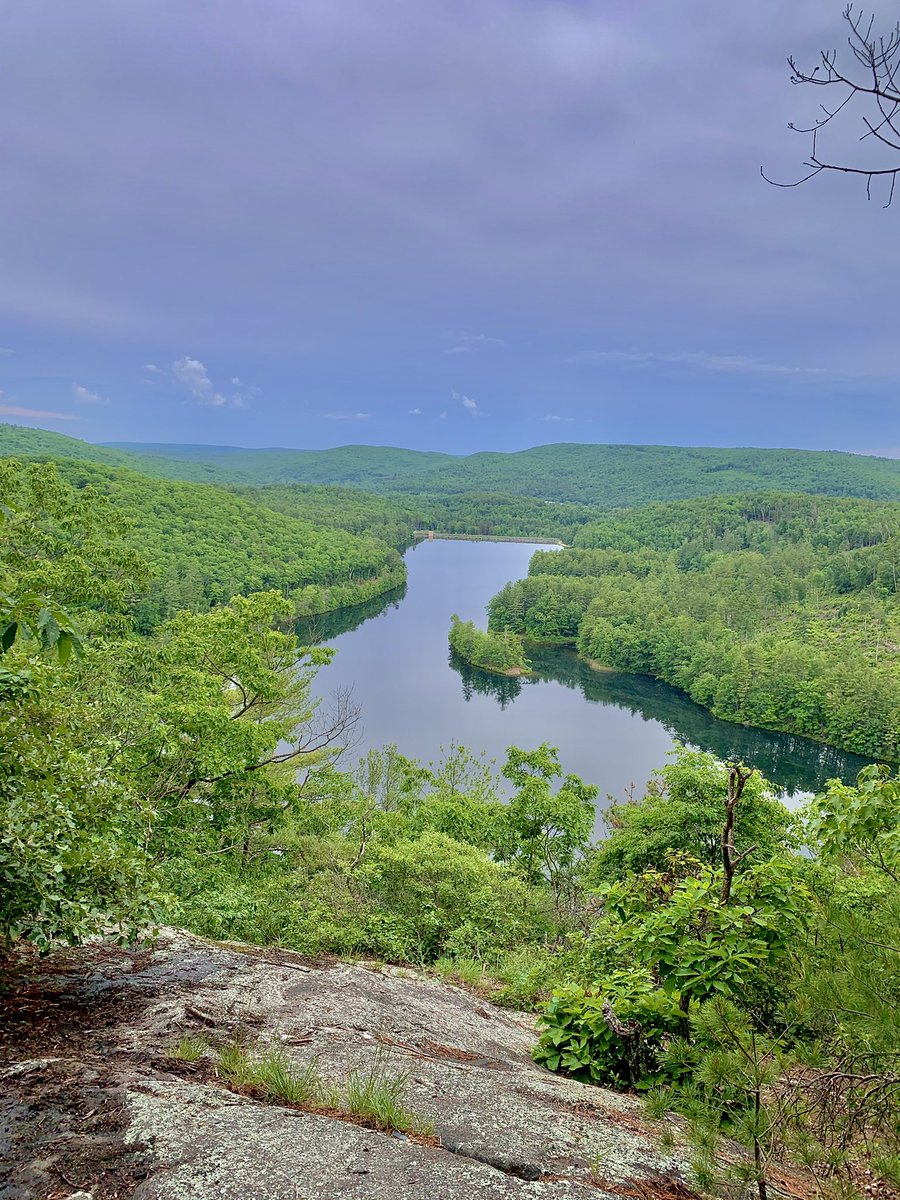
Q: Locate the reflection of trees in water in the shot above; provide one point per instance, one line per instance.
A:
(504, 688)
(795, 764)
(324, 626)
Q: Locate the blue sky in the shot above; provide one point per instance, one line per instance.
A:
(433, 223)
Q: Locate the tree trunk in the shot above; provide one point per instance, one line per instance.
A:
(737, 778)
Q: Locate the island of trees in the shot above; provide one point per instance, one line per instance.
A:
(501, 652)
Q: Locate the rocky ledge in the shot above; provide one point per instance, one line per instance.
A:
(92, 1101)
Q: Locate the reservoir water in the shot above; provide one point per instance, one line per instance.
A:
(612, 729)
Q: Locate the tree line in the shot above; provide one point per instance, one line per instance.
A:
(776, 610)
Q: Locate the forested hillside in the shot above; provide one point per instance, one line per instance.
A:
(395, 517)
(19, 441)
(595, 475)
(205, 544)
(610, 476)
(779, 611)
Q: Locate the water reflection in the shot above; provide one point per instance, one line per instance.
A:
(612, 729)
(504, 688)
(793, 763)
(324, 627)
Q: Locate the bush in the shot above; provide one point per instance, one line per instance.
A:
(580, 1034)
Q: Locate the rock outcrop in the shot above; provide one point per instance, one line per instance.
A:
(92, 1101)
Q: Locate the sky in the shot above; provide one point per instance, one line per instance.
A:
(443, 224)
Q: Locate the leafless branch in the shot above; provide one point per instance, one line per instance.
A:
(877, 85)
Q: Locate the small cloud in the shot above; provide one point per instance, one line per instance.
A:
(35, 414)
(468, 404)
(415, 412)
(85, 396)
(6, 350)
(442, 416)
(466, 343)
(193, 374)
(360, 416)
(556, 417)
(153, 369)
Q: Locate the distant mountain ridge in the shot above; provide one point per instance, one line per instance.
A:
(607, 475)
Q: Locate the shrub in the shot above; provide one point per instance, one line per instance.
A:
(612, 1035)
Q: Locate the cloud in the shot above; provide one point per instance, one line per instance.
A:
(358, 416)
(556, 417)
(194, 376)
(85, 396)
(6, 350)
(468, 404)
(415, 412)
(442, 416)
(693, 360)
(466, 343)
(35, 414)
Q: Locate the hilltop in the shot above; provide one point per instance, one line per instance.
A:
(609, 476)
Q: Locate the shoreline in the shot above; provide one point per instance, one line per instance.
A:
(433, 535)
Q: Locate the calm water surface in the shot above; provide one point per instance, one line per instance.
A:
(612, 729)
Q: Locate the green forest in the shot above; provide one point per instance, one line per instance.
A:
(565, 473)
(204, 544)
(162, 760)
(775, 610)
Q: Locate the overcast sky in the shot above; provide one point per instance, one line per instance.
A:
(454, 224)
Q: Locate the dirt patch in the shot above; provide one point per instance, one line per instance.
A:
(66, 1134)
(62, 1107)
(648, 1189)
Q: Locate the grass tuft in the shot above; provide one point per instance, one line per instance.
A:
(375, 1093)
(279, 1078)
(189, 1049)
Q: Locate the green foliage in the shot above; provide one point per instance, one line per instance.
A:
(176, 767)
(860, 823)
(697, 946)
(374, 1093)
(769, 1017)
(580, 1037)
(726, 1086)
(682, 813)
(276, 1077)
(207, 544)
(66, 546)
(501, 652)
(190, 1048)
(773, 610)
(545, 830)
(71, 862)
(48, 626)
(431, 896)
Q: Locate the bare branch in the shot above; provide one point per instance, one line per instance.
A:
(878, 87)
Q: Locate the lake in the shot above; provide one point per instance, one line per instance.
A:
(612, 729)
